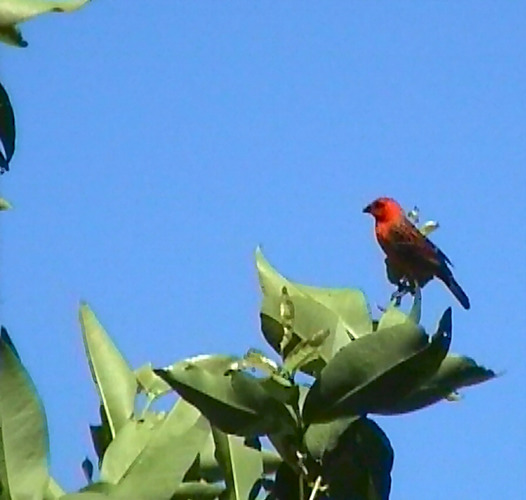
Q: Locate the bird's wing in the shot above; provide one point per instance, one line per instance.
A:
(440, 253)
(412, 245)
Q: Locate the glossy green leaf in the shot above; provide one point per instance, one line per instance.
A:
(89, 495)
(4, 204)
(210, 470)
(151, 383)
(428, 227)
(415, 314)
(256, 360)
(13, 12)
(250, 391)
(285, 391)
(242, 466)
(359, 467)
(129, 443)
(95, 491)
(409, 375)
(11, 35)
(198, 490)
(4, 485)
(100, 487)
(322, 437)
(7, 134)
(232, 401)
(377, 370)
(53, 490)
(169, 453)
(23, 429)
(454, 373)
(343, 312)
(393, 315)
(113, 377)
(305, 351)
(349, 304)
(214, 363)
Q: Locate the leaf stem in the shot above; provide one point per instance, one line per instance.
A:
(315, 489)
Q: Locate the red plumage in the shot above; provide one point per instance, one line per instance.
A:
(411, 256)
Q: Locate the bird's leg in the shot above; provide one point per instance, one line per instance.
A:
(404, 287)
(398, 295)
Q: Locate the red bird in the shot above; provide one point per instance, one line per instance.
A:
(412, 257)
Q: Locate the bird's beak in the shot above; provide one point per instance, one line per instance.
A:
(367, 209)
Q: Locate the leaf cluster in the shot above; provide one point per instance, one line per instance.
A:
(208, 444)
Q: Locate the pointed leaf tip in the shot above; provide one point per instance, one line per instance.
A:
(115, 381)
(445, 325)
(6, 338)
(4, 204)
(7, 126)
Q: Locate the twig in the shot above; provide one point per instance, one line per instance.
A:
(315, 489)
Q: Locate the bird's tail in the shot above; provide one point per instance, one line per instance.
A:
(456, 289)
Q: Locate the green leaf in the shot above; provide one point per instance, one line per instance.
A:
(410, 374)
(87, 495)
(415, 313)
(256, 360)
(53, 490)
(129, 443)
(113, 377)
(454, 373)
(349, 304)
(430, 226)
(343, 312)
(282, 390)
(4, 204)
(94, 491)
(197, 490)
(210, 470)
(101, 434)
(7, 134)
(23, 428)
(4, 486)
(11, 35)
(359, 467)
(323, 437)
(242, 466)
(376, 371)
(169, 453)
(393, 315)
(13, 12)
(214, 363)
(151, 383)
(304, 352)
(232, 401)
(100, 487)
(250, 391)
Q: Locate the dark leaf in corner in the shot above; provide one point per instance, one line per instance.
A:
(7, 130)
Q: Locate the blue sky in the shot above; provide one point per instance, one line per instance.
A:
(159, 144)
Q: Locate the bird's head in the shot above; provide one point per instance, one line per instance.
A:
(384, 209)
